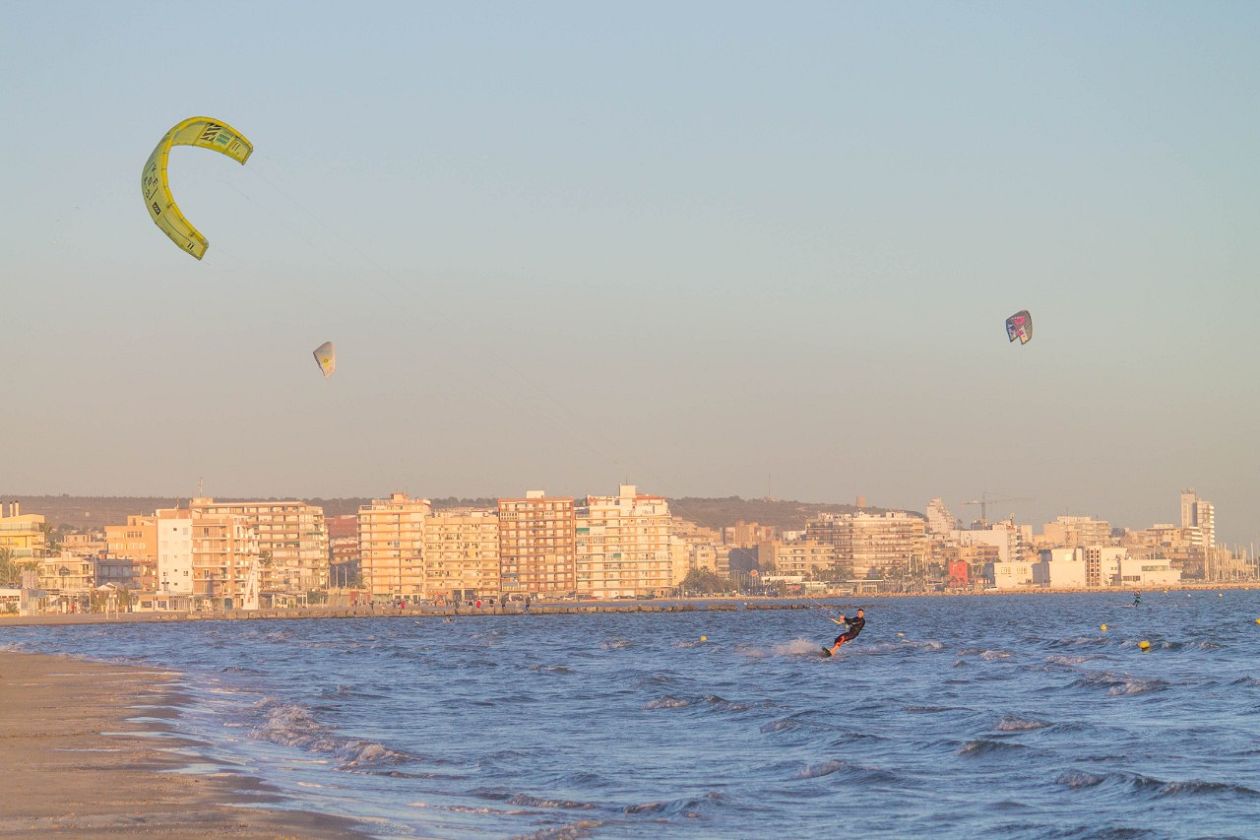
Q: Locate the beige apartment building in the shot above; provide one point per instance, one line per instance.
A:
(537, 545)
(292, 542)
(702, 548)
(225, 560)
(807, 558)
(461, 554)
(391, 547)
(22, 534)
(136, 541)
(873, 546)
(623, 545)
(1075, 531)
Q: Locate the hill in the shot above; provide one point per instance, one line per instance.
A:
(80, 512)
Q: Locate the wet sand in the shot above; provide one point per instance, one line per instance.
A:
(72, 762)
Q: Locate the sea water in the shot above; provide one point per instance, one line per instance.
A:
(1001, 716)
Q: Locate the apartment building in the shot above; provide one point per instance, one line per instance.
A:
(461, 554)
(538, 544)
(391, 546)
(623, 545)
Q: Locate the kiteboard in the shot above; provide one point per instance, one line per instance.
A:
(826, 652)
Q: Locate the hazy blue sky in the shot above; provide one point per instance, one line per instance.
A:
(708, 247)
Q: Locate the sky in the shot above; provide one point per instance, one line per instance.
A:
(709, 248)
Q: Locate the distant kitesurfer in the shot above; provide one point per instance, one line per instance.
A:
(1137, 599)
(853, 628)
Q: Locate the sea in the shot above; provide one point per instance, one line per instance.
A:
(982, 716)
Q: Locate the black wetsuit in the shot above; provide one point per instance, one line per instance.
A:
(855, 626)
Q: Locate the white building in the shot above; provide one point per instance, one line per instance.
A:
(174, 552)
(1061, 568)
(1158, 571)
(939, 519)
(1006, 537)
(1008, 576)
(1201, 514)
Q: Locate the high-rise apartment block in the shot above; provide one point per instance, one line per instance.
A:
(538, 544)
(461, 554)
(1201, 514)
(873, 546)
(292, 541)
(939, 518)
(623, 545)
(391, 546)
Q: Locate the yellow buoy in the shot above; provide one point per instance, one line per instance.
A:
(1258, 621)
(704, 638)
(1102, 627)
(1144, 645)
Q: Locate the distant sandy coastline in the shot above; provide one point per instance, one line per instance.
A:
(671, 605)
(76, 763)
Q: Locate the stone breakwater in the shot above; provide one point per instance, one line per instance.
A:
(385, 611)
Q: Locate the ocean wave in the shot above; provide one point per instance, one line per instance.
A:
(570, 831)
(293, 725)
(1153, 787)
(815, 771)
(995, 655)
(524, 800)
(713, 701)
(667, 702)
(930, 710)
(1076, 779)
(984, 746)
(1068, 661)
(687, 806)
(1011, 723)
(1120, 685)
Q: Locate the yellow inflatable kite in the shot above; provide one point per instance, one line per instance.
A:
(195, 131)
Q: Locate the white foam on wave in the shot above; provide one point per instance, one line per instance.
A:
(293, 725)
(1012, 723)
(814, 771)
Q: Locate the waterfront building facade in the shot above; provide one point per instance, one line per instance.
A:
(391, 547)
(538, 545)
(461, 554)
(292, 542)
(21, 534)
(623, 545)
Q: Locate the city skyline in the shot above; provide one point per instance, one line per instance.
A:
(747, 253)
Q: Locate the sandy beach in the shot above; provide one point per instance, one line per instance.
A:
(77, 762)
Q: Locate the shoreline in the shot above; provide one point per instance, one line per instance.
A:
(89, 749)
(717, 603)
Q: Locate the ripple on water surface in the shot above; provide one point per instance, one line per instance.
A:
(628, 725)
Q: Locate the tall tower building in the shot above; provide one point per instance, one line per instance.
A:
(391, 546)
(939, 519)
(1201, 514)
(537, 544)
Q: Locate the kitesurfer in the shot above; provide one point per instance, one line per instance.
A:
(853, 628)
(1137, 599)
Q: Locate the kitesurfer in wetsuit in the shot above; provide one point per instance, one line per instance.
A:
(1137, 599)
(854, 627)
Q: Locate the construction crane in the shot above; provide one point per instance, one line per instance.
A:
(985, 500)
